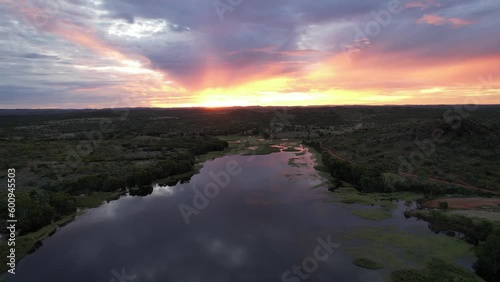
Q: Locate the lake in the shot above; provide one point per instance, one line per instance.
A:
(265, 219)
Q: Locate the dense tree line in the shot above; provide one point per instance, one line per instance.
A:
(38, 208)
(42, 206)
(108, 182)
(372, 179)
(210, 144)
(365, 178)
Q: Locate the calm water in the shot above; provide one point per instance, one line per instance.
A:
(263, 223)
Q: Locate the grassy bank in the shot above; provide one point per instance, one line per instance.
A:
(96, 199)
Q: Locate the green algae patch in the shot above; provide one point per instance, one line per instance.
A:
(399, 249)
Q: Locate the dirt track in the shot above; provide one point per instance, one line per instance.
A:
(452, 183)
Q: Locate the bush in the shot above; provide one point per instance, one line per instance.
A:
(408, 275)
(488, 257)
(443, 205)
(63, 202)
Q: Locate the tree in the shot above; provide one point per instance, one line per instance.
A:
(488, 257)
(63, 202)
(35, 211)
(443, 205)
(113, 183)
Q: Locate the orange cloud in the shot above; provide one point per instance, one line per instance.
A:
(84, 38)
(458, 22)
(440, 20)
(432, 19)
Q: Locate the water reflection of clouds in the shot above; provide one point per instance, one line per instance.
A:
(105, 212)
(232, 242)
(114, 209)
(230, 256)
(166, 190)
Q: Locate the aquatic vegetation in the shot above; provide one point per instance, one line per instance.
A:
(435, 270)
(367, 263)
(373, 214)
(397, 248)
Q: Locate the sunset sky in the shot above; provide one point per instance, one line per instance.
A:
(175, 53)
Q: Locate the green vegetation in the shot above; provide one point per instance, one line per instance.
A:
(367, 263)
(382, 203)
(482, 233)
(69, 160)
(350, 195)
(492, 216)
(443, 205)
(475, 230)
(373, 179)
(373, 214)
(397, 249)
(422, 141)
(96, 199)
(488, 254)
(435, 270)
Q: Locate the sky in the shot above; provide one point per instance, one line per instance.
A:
(212, 53)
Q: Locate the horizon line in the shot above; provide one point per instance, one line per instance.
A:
(253, 106)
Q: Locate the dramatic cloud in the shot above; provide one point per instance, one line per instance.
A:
(96, 53)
